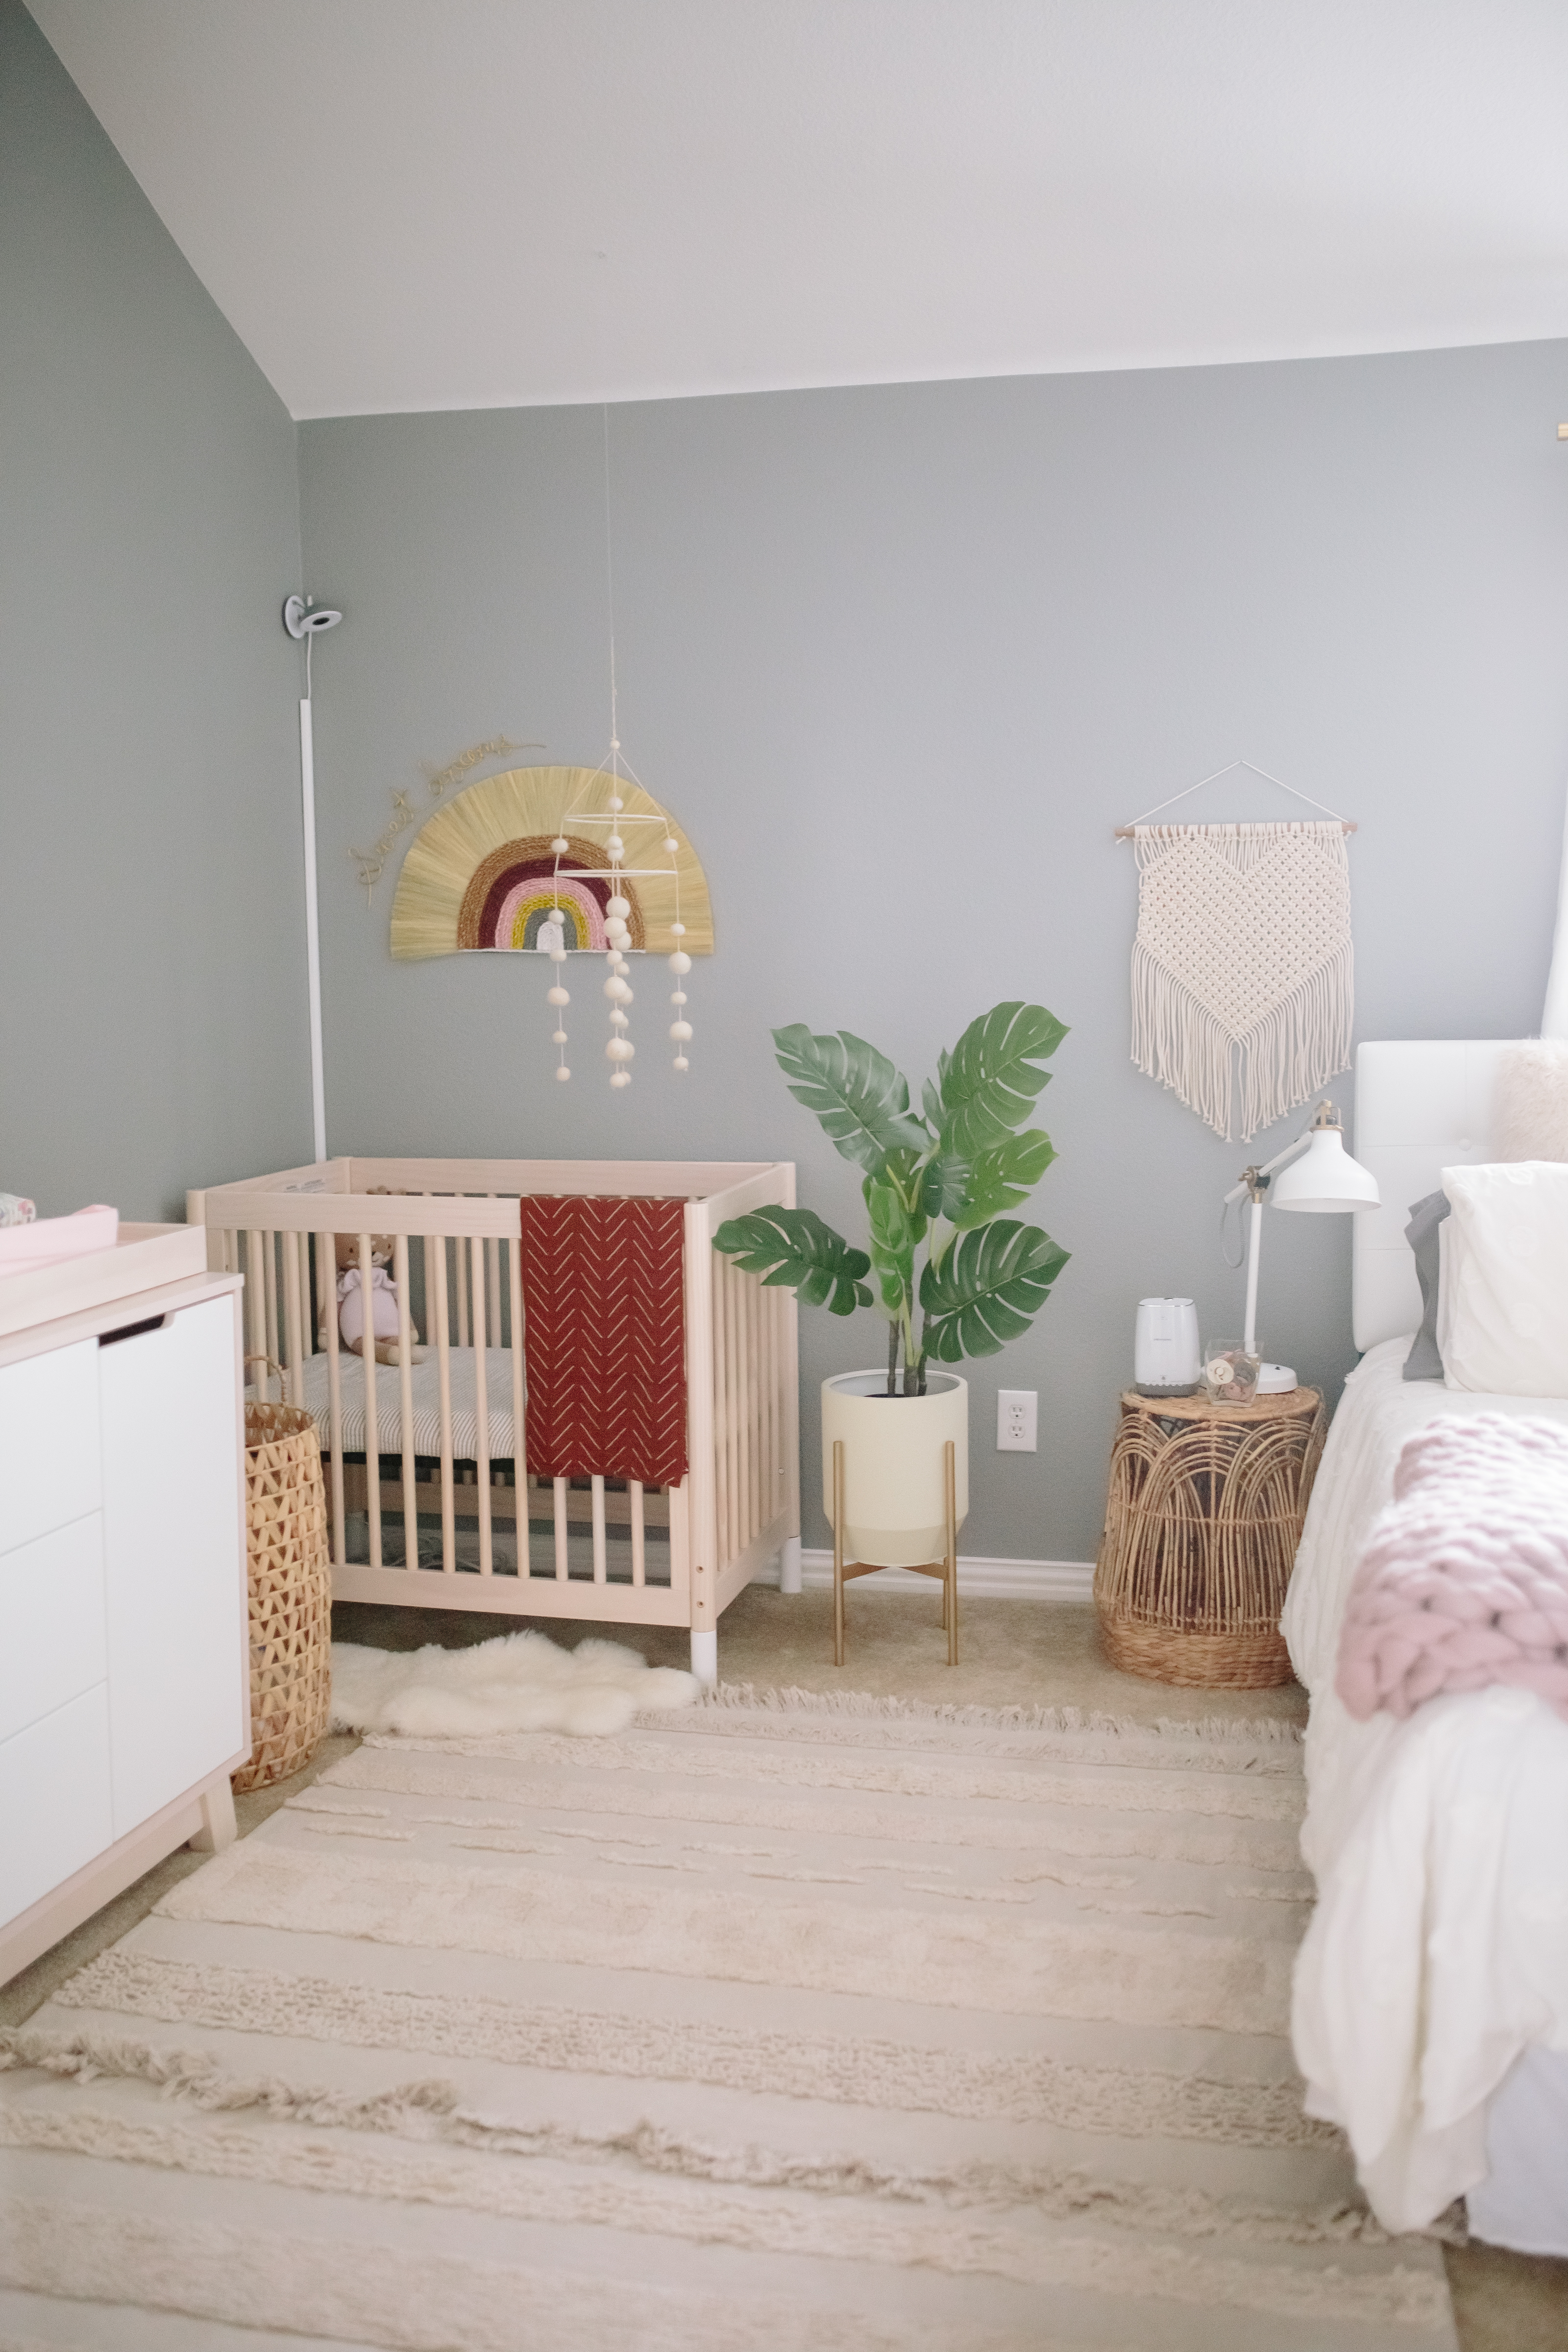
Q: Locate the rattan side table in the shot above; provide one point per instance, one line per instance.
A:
(1202, 1521)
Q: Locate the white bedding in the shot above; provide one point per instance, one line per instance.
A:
(1438, 1949)
(427, 1403)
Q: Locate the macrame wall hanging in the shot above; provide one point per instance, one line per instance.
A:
(1243, 976)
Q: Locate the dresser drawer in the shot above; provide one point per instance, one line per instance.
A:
(49, 1471)
(174, 1557)
(55, 1811)
(52, 1646)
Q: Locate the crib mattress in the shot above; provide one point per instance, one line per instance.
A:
(426, 1388)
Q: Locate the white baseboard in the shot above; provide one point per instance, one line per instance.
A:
(979, 1580)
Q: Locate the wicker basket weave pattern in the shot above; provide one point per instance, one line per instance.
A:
(290, 1592)
(1201, 1522)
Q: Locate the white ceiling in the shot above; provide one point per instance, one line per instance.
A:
(453, 203)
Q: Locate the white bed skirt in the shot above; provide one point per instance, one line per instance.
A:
(1437, 1956)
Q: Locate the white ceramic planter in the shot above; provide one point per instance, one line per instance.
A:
(895, 1507)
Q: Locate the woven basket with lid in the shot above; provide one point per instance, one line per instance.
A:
(290, 1592)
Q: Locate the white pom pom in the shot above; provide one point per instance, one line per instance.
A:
(614, 845)
(680, 1031)
(557, 955)
(623, 967)
(558, 1037)
(558, 996)
(618, 1019)
(620, 1077)
(560, 846)
(562, 1071)
(681, 1063)
(677, 996)
(617, 803)
(618, 907)
(678, 930)
(671, 843)
(616, 989)
(679, 961)
(620, 1049)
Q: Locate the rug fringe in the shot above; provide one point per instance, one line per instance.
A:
(430, 2110)
(1259, 1731)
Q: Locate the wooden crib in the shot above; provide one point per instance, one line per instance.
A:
(431, 1501)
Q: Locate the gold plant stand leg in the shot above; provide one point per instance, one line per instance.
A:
(949, 1564)
(838, 1552)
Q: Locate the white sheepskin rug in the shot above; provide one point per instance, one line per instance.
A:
(520, 1682)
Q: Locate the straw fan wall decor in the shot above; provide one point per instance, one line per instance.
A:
(534, 861)
(1243, 971)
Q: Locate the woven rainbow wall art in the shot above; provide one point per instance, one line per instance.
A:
(482, 872)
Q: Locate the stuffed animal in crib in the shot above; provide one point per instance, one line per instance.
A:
(384, 1301)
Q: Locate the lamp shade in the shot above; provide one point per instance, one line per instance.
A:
(1324, 1178)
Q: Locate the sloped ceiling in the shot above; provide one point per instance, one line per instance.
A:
(449, 204)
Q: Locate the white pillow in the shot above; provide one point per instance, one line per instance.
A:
(1503, 1311)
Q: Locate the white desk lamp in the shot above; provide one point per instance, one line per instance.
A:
(1323, 1180)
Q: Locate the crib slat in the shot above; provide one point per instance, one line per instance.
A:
(767, 1343)
(601, 1570)
(561, 1555)
(492, 1273)
(327, 1285)
(270, 1290)
(721, 1411)
(461, 1247)
(519, 1438)
(746, 1354)
(256, 1315)
(640, 1533)
(481, 1413)
(439, 1324)
(405, 1400)
(293, 1378)
(733, 1390)
(371, 1432)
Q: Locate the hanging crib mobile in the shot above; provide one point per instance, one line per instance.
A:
(538, 860)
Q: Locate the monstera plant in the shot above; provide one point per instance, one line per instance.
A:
(941, 1179)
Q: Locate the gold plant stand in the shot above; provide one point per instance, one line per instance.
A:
(946, 1568)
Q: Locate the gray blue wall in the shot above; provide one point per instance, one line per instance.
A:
(151, 1000)
(899, 659)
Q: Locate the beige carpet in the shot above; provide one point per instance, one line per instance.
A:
(750, 2027)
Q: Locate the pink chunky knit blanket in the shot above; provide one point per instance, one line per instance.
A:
(1464, 1581)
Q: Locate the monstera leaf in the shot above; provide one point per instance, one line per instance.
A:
(988, 1290)
(859, 1098)
(794, 1249)
(990, 1080)
(1003, 1179)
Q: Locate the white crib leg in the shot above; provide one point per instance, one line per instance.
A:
(789, 1565)
(705, 1656)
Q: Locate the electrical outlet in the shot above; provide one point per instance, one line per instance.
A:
(1015, 1412)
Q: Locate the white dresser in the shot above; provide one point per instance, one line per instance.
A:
(124, 1676)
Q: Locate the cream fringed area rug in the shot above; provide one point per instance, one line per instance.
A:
(780, 2025)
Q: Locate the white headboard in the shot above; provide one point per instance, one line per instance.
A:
(1419, 1108)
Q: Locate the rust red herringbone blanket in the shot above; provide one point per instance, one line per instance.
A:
(604, 1323)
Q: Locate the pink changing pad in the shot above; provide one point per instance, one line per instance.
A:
(51, 1240)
